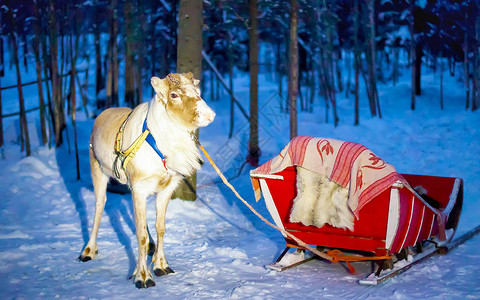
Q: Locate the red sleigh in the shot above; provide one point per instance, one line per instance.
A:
(394, 220)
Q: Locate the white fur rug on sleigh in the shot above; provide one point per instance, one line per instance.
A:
(320, 201)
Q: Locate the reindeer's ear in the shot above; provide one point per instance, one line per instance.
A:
(160, 86)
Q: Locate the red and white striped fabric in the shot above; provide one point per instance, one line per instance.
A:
(350, 165)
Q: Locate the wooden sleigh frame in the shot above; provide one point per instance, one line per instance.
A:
(396, 219)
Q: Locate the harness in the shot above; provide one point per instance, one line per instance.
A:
(126, 155)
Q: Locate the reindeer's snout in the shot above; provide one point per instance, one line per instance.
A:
(205, 114)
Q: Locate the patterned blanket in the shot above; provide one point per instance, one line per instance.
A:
(351, 165)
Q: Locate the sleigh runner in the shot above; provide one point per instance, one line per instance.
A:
(394, 218)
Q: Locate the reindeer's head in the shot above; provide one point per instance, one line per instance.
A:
(180, 94)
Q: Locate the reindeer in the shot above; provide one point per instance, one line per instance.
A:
(168, 120)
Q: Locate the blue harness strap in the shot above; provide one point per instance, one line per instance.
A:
(151, 141)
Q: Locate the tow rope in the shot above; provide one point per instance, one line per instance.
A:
(333, 255)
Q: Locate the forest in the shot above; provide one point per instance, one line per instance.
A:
(372, 41)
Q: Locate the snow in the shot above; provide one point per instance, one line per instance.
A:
(216, 246)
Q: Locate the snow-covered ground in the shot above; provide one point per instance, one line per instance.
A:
(216, 246)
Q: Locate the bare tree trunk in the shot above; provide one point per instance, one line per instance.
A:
(230, 77)
(253, 148)
(115, 62)
(1, 114)
(466, 69)
(153, 44)
(476, 71)
(99, 79)
(418, 69)
(370, 82)
(73, 97)
(2, 73)
(129, 57)
(356, 60)
(293, 68)
(441, 83)
(349, 75)
(46, 69)
(323, 90)
(112, 75)
(23, 116)
(395, 66)
(412, 53)
(82, 87)
(373, 49)
(312, 86)
(279, 63)
(189, 59)
(338, 70)
(330, 62)
(38, 64)
(58, 105)
(141, 46)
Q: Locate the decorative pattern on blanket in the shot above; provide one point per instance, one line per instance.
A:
(352, 166)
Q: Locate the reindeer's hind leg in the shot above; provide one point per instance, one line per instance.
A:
(100, 181)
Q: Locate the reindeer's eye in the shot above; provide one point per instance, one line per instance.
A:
(173, 95)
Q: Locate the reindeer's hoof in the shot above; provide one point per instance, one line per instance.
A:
(144, 284)
(87, 254)
(161, 272)
(84, 258)
(151, 249)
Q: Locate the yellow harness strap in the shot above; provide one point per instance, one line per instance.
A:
(126, 155)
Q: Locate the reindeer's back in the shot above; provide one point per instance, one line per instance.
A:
(105, 130)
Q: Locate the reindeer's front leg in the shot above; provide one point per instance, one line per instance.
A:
(160, 266)
(143, 277)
